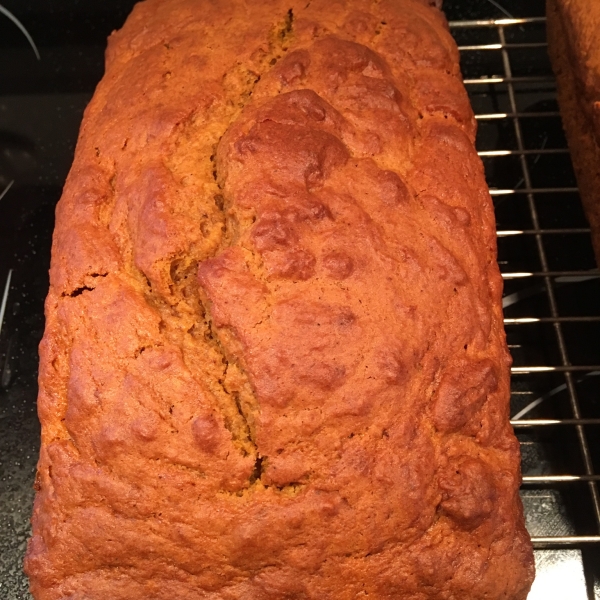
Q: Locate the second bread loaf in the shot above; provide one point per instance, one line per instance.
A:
(573, 27)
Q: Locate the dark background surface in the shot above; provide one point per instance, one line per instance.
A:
(41, 104)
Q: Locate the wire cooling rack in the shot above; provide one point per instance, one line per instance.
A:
(551, 300)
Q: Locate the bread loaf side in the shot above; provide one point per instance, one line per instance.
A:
(274, 364)
(572, 27)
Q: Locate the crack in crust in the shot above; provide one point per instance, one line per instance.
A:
(241, 428)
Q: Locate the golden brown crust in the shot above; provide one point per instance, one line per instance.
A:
(572, 44)
(274, 363)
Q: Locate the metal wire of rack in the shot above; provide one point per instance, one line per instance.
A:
(552, 291)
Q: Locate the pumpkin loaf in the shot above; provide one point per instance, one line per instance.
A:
(573, 27)
(274, 364)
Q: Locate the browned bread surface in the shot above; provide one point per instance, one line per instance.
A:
(274, 363)
(573, 27)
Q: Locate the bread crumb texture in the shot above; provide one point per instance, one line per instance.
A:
(274, 365)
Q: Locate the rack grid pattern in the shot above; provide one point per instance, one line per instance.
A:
(514, 100)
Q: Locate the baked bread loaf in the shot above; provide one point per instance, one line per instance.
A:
(573, 27)
(274, 363)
